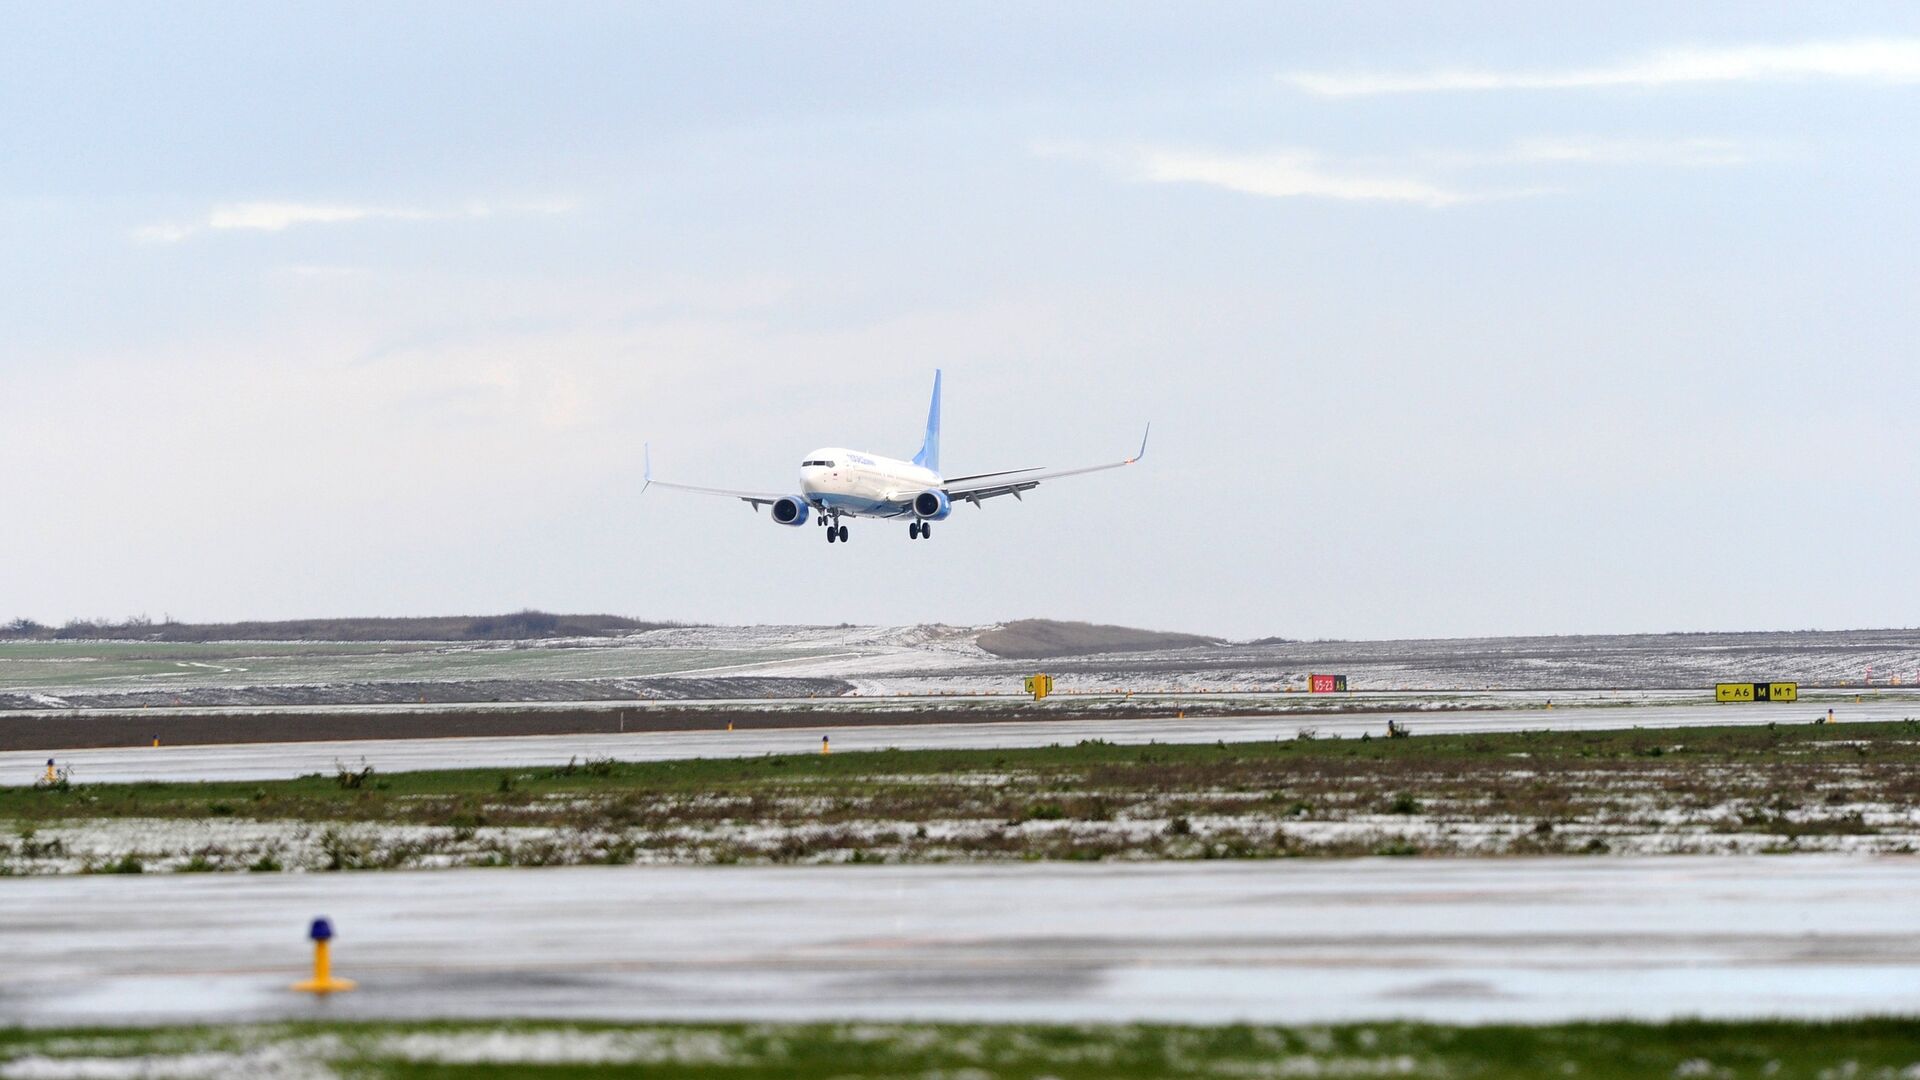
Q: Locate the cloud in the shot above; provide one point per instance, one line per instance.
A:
(1886, 60)
(1287, 172)
(269, 216)
(162, 233)
(1590, 150)
(1606, 150)
(276, 216)
(1296, 172)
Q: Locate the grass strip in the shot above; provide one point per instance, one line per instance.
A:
(1797, 787)
(1779, 1050)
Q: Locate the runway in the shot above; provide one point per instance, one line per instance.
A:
(1281, 942)
(262, 761)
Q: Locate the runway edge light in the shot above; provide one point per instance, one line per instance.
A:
(323, 981)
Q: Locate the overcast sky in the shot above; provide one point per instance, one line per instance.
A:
(1450, 319)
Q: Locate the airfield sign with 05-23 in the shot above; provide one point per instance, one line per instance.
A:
(1758, 691)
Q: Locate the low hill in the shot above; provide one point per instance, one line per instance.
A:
(1039, 639)
(520, 625)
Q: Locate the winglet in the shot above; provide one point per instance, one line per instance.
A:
(646, 476)
(1143, 444)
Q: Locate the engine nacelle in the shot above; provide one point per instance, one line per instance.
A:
(789, 510)
(932, 505)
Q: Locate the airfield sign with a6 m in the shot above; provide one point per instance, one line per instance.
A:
(1759, 691)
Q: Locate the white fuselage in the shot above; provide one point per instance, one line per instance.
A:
(848, 482)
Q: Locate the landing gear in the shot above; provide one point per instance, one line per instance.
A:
(913, 530)
(919, 530)
(842, 530)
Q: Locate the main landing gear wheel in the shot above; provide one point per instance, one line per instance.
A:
(913, 530)
(836, 531)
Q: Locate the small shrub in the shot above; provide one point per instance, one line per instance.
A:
(1180, 826)
(31, 847)
(343, 852)
(353, 779)
(619, 851)
(125, 864)
(265, 864)
(1403, 803)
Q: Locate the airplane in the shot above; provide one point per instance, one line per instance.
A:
(836, 483)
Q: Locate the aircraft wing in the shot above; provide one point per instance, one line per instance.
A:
(756, 499)
(1012, 482)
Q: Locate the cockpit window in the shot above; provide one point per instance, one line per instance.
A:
(822, 464)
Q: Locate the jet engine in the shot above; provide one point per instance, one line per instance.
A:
(932, 505)
(789, 510)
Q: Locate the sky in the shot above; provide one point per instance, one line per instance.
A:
(1451, 320)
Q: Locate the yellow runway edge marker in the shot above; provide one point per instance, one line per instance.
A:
(323, 981)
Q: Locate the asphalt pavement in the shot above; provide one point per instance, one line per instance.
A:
(262, 761)
(1287, 941)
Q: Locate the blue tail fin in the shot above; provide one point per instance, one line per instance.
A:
(929, 455)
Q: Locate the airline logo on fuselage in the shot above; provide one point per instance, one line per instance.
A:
(858, 460)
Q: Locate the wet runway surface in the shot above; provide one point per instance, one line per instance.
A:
(1288, 941)
(259, 761)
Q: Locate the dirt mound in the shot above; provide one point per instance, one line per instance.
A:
(1038, 639)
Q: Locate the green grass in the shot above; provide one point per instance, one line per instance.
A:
(87, 667)
(1778, 1050)
(1800, 787)
(1085, 765)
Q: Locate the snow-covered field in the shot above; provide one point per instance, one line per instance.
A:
(694, 663)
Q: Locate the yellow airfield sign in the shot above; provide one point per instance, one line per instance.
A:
(1759, 691)
(1039, 686)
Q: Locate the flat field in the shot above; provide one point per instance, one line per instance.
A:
(1774, 788)
(802, 661)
